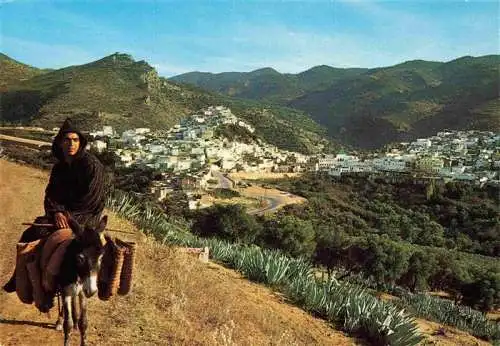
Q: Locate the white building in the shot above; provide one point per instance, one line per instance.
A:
(228, 163)
(329, 161)
(107, 131)
(423, 142)
(247, 126)
(350, 167)
(131, 137)
(190, 134)
(142, 130)
(183, 165)
(160, 191)
(326, 163)
(337, 171)
(99, 145)
(389, 164)
(126, 159)
(156, 148)
(197, 151)
(96, 134)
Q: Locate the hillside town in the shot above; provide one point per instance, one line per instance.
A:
(197, 153)
(471, 156)
(193, 153)
(193, 144)
(194, 147)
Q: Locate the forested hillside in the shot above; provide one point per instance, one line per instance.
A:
(423, 235)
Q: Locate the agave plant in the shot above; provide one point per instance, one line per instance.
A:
(348, 304)
(220, 249)
(447, 312)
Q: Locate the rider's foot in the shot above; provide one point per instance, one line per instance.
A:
(10, 286)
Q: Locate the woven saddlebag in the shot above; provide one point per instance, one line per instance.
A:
(43, 300)
(25, 253)
(117, 266)
(111, 267)
(128, 266)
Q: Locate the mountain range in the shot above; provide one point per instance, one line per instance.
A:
(368, 108)
(314, 109)
(119, 91)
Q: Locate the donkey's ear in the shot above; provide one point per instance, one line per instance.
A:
(75, 226)
(102, 224)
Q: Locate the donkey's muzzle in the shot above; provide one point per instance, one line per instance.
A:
(90, 285)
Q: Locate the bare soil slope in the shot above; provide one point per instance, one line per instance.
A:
(175, 300)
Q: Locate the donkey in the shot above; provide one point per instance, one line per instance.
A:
(78, 277)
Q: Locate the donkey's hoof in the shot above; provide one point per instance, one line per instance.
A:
(59, 326)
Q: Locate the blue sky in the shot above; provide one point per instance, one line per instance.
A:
(220, 36)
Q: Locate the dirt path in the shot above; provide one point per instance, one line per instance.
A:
(176, 300)
(261, 175)
(25, 141)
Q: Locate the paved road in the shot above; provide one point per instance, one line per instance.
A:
(271, 205)
(32, 129)
(273, 202)
(224, 182)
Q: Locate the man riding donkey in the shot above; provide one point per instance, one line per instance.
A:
(75, 189)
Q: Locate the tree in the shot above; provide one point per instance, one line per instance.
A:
(386, 260)
(431, 233)
(420, 268)
(224, 193)
(293, 235)
(483, 293)
(135, 179)
(449, 274)
(176, 203)
(107, 158)
(230, 222)
(329, 248)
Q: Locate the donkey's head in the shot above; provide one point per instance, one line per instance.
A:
(89, 253)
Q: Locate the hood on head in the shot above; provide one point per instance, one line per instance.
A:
(67, 127)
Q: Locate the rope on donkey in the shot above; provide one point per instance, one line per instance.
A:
(52, 225)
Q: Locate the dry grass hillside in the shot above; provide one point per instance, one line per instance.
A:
(176, 300)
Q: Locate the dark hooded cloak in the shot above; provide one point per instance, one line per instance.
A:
(77, 187)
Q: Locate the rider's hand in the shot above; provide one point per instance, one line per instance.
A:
(61, 220)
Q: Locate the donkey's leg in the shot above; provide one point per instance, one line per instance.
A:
(74, 309)
(82, 323)
(60, 312)
(68, 322)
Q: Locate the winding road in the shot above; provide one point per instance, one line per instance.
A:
(272, 204)
(274, 198)
(224, 182)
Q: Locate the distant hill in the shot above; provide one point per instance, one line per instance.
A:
(372, 107)
(115, 90)
(13, 71)
(267, 84)
(118, 91)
